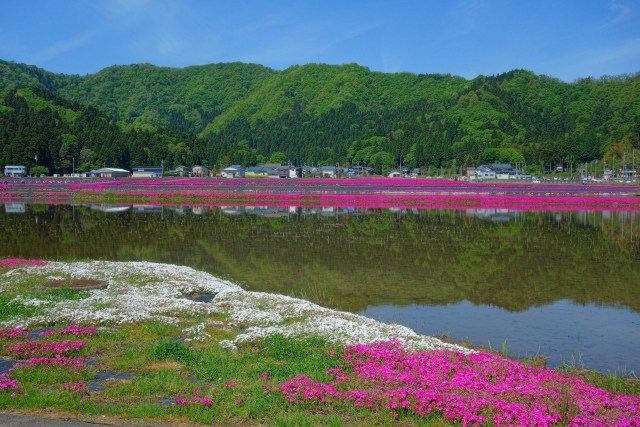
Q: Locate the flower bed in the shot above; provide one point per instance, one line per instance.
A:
(361, 192)
(473, 389)
(20, 262)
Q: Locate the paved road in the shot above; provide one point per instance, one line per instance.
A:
(10, 420)
(15, 420)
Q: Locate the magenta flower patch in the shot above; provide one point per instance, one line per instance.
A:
(73, 329)
(20, 262)
(473, 389)
(33, 348)
(13, 333)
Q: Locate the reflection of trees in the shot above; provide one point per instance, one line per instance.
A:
(434, 257)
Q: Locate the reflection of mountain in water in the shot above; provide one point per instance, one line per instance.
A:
(357, 258)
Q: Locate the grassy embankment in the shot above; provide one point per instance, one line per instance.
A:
(180, 373)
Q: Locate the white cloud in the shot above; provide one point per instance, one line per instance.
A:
(61, 47)
(620, 10)
(627, 51)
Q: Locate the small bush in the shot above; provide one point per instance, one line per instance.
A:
(171, 350)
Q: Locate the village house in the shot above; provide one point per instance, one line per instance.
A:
(485, 172)
(109, 173)
(259, 171)
(327, 171)
(15, 171)
(147, 172)
(289, 172)
(233, 171)
(200, 171)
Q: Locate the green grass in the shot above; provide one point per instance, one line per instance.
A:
(10, 308)
(62, 294)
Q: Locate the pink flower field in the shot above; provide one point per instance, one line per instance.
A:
(20, 262)
(360, 192)
(473, 389)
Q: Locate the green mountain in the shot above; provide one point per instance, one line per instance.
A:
(324, 114)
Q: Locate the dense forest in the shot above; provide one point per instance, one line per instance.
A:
(219, 114)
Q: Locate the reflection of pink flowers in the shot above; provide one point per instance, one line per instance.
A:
(20, 262)
(473, 389)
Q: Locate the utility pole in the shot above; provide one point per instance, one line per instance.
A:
(613, 166)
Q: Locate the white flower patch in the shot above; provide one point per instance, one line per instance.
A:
(139, 291)
(196, 333)
(30, 301)
(228, 344)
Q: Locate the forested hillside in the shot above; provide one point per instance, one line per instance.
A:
(53, 135)
(314, 114)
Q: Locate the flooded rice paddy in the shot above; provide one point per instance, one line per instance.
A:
(565, 284)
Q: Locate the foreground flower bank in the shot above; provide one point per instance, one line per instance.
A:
(474, 389)
(149, 345)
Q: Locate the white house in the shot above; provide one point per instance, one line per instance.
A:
(484, 172)
(15, 171)
(327, 171)
(200, 171)
(233, 171)
(110, 173)
(147, 172)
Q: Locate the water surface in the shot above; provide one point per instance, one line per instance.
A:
(562, 284)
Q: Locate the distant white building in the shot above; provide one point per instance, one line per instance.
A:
(110, 173)
(233, 171)
(15, 171)
(147, 172)
(327, 171)
(289, 172)
(484, 172)
(200, 171)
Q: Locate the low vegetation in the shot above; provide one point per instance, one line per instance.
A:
(239, 359)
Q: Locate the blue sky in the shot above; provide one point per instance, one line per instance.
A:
(567, 39)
